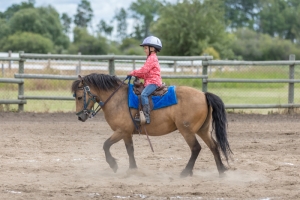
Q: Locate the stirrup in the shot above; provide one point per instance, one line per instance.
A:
(148, 120)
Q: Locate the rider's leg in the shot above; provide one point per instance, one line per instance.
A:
(149, 89)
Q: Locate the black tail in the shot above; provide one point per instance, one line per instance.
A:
(219, 122)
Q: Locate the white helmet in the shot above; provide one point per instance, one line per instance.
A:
(152, 41)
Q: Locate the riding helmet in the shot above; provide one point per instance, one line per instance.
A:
(152, 41)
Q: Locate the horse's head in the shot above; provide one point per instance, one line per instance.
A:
(85, 99)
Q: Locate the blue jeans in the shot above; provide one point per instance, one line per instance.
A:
(146, 92)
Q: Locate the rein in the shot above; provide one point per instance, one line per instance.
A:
(93, 111)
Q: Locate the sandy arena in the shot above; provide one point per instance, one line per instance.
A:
(54, 156)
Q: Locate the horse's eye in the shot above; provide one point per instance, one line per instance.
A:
(79, 98)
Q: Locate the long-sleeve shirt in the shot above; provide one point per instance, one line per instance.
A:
(150, 72)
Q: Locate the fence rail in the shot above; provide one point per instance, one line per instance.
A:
(206, 62)
(13, 101)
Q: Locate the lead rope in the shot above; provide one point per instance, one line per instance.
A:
(136, 126)
(148, 138)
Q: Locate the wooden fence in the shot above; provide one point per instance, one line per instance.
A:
(206, 62)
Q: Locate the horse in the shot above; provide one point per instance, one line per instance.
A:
(194, 114)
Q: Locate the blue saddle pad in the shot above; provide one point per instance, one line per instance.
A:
(168, 99)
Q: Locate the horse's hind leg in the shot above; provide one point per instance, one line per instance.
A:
(206, 136)
(195, 147)
(117, 136)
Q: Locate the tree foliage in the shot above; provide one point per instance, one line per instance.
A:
(121, 17)
(144, 12)
(187, 28)
(10, 11)
(131, 46)
(240, 29)
(84, 14)
(105, 28)
(86, 43)
(241, 13)
(44, 21)
(250, 45)
(28, 42)
(280, 18)
(4, 29)
(66, 22)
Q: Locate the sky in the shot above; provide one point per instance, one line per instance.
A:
(102, 9)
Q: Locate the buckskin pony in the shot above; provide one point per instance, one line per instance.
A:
(195, 113)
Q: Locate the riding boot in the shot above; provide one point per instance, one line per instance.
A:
(146, 110)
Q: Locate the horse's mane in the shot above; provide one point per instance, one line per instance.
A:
(100, 81)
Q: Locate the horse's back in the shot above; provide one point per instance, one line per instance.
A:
(188, 96)
(192, 107)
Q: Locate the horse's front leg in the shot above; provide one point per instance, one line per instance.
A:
(117, 136)
(130, 150)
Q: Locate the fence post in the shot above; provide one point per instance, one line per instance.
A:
(175, 66)
(9, 62)
(21, 85)
(291, 85)
(78, 68)
(3, 70)
(111, 67)
(133, 64)
(204, 72)
(49, 62)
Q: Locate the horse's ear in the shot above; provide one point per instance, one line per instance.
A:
(80, 78)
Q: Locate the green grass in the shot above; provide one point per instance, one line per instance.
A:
(228, 95)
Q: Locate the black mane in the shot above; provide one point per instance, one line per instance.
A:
(100, 81)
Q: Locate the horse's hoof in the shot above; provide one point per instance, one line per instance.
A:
(115, 168)
(186, 173)
(222, 175)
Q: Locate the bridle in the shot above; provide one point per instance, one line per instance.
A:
(93, 98)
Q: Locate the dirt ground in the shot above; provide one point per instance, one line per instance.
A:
(54, 156)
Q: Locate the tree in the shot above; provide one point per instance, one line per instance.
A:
(28, 42)
(44, 21)
(131, 46)
(251, 45)
(281, 18)
(10, 11)
(189, 27)
(66, 22)
(138, 32)
(241, 13)
(4, 29)
(144, 11)
(121, 17)
(105, 28)
(88, 44)
(84, 14)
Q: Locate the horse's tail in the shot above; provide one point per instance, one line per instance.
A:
(219, 122)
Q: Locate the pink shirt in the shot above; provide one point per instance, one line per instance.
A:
(150, 72)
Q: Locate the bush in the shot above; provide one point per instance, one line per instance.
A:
(256, 46)
(28, 42)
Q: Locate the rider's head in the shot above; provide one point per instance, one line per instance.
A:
(151, 44)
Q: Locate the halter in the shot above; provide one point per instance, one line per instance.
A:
(92, 112)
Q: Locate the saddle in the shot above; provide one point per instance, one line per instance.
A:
(139, 87)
